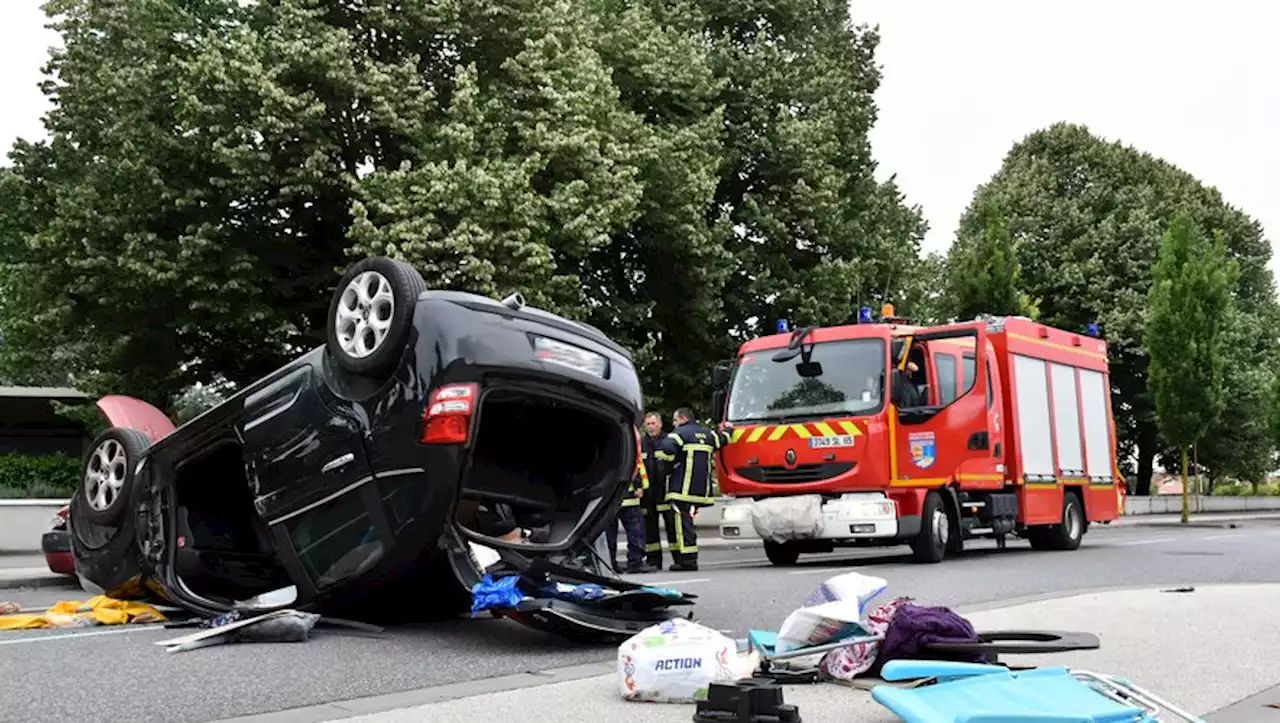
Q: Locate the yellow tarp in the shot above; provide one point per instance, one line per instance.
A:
(97, 610)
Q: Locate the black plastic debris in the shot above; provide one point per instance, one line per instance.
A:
(1179, 589)
(745, 701)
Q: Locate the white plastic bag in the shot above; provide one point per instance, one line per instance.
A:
(677, 661)
(841, 603)
(849, 586)
(779, 519)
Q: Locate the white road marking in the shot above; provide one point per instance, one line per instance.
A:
(1221, 537)
(817, 571)
(690, 581)
(47, 638)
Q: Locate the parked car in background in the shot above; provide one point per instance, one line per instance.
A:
(393, 458)
(56, 544)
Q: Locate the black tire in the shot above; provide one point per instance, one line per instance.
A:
(930, 545)
(955, 539)
(783, 554)
(106, 554)
(353, 333)
(106, 474)
(1068, 534)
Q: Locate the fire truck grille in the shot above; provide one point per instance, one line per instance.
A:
(801, 474)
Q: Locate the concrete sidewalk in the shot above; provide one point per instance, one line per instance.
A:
(1212, 651)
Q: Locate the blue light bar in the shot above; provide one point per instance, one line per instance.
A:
(1093, 329)
(782, 326)
(864, 315)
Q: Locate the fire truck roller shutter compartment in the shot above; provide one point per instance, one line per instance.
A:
(1097, 436)
(1066, 420)
(1034, 433)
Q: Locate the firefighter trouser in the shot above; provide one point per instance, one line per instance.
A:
(654, 508)
(681, 535)
(632, 519)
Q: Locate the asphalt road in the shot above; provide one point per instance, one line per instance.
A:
(108, 674)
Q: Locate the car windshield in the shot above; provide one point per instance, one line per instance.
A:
(851, 383)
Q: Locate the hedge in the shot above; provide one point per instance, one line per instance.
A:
(45, 476)
(1245, 490)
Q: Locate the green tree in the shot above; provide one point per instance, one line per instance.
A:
(983, 273)
(814, 232)
(1188, 309)
(1088, 216)
(190, 204)
(1240, 444)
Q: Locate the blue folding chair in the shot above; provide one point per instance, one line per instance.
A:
(978, 693)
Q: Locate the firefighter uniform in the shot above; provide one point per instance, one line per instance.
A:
(690, 449)
(632, 519)
(653, 504)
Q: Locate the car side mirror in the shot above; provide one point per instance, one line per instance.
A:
(717, 406)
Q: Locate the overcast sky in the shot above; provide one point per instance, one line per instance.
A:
(1190, 81)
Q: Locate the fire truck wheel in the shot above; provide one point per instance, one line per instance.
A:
(930, 544)
(781, 553)
(1067, 535)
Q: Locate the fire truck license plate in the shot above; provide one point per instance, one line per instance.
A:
(839, 440)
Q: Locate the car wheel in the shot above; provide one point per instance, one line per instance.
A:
(371, 314)
(930, 544)
(781, 553)
(106, 475)
(106, 555)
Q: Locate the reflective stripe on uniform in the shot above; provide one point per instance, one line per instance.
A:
(691, 450)
(695, 499)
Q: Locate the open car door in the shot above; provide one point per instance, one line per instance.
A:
(947, 424)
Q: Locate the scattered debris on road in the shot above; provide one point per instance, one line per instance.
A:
(1185, 588)
(677, 661)
(745, 701)
(281, 626)
(97, 610)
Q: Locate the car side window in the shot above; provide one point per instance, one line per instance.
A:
(968, 370)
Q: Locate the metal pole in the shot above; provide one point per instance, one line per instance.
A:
(802, 652)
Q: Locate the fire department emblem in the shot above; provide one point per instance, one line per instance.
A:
(791, 456)
(923, 449)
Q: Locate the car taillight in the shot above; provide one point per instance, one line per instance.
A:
(447, 416)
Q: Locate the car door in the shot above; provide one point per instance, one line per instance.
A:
(949, 435)
(307, 465)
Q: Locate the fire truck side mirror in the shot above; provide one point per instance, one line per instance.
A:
(720, 373)
(717, 406)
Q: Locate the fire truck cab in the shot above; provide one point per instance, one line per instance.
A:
(886, 434)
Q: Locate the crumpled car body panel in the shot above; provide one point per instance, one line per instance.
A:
(344, 501)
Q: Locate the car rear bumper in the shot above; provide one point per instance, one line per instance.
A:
(56, 545)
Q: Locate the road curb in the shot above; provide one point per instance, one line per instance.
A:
(36, 581)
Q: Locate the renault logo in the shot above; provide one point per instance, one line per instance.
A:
(791, 456)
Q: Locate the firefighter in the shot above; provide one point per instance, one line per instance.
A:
(632, 518)
(689, 447)
(653, 505)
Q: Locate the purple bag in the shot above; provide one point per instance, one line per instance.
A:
(914, 626)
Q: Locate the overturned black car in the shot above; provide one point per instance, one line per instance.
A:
(437, 437)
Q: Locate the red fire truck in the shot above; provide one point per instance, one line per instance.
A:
(821, 456)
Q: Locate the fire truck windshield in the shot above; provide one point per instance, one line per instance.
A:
(851, 383)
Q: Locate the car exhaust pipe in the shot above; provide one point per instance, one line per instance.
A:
(515, 302)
